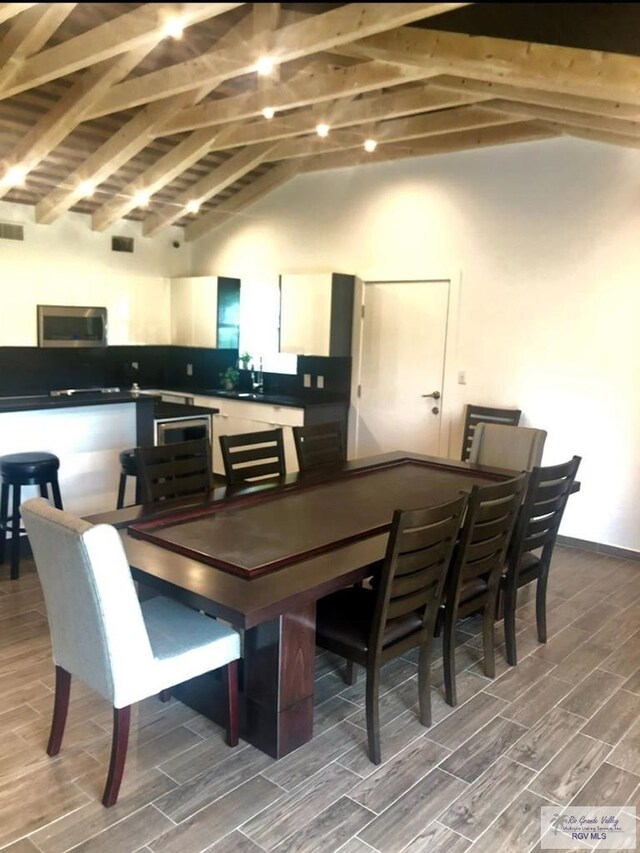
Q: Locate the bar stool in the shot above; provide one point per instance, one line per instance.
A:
(128, 468)
(17, 470)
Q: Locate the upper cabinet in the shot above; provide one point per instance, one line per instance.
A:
(316, 313)
(205, 312)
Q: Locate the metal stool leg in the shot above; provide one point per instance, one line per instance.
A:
(121, 487)
(15, 533)
(4, 516)
(55, 488)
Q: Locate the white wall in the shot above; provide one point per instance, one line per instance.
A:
(546, 238)
(68, 264)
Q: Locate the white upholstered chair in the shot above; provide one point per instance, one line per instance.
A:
(103, 635)
(513, 447)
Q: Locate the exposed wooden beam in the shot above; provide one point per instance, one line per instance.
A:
(267, 183)
(304, 91)
(567, 70)
(395, 130)
(143, 26)
(219, 179)
(320, 32)
(447, 143)
(27, 36)
(594, 135)
(620, 127)
(10, 10)
(593, 106)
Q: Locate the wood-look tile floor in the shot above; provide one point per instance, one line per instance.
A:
(561, 728)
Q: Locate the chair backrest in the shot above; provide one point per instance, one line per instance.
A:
(488, 415)
(175, 470)
(97, 630)
(418, 555)
(319, 446)
(544, 505)
(515, 448)
(253, 456)
(491, 516)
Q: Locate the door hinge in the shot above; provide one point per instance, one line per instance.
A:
(362, 311)
(359, 390)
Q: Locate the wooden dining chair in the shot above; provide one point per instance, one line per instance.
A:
(172, 471)
(253, 456)
(100, 633)
(320, 446)
(372, 626)
(536, 531)
(500, 446)
(474, 579)
(488, 415)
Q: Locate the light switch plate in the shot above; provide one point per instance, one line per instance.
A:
(306, 380)
(320, 382)
(189, 370)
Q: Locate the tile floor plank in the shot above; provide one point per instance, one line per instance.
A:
(517, 828)
(565, 774)
(327, 831)
(591, 693)
(615, 718)
(471, 759)
(544, 740)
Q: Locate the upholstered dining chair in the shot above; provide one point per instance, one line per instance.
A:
(536, 531)
(177, 470)
(488, 415)
(500, 446)
(101, 634)
(253, 456)
(319, 446)
(473, 582)
(371, 626)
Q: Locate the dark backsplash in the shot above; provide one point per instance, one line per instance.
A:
(32, 370)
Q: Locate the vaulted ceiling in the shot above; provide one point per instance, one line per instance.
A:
(104, 111)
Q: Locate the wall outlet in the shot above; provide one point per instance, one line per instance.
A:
(462, 377)
(306, 380)
(189, 370)
(319, 381)
(135, 365)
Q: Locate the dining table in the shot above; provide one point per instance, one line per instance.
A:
(259, 557)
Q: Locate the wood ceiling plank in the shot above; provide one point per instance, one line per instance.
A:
(219, 179)
(140, 27)
(567, 70)
(242, 199)
(594, 135)
(320, 32)
(620, 127)
(10, 10)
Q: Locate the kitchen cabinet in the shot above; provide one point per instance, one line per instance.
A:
(316, 314)
(205, 312)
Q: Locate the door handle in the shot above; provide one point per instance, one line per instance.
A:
(434, 394)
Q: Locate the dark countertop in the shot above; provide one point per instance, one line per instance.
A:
(168, 411)
(325, 399)
(44, 401)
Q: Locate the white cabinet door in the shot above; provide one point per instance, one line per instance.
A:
(305, 314)
(194, 311)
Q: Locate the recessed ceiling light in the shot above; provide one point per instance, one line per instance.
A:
(86, 189)
(141, 199)
(192, 206)
(268, 112)
(265, 66)
(322, 129)
(173, 27)
(370, 145)
(15, 176)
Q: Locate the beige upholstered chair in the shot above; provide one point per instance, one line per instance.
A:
(100, 633)
(515, 448)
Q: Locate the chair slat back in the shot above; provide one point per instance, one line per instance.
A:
(253, 456)
(546, 500)
(172, 471)
(485, 414)
(319, 446)
(419, 551)
(97, 629)
(489, 523)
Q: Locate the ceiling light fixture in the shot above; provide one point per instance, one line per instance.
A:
(322, 130)
(141, 199)
(15, 176)
(86, 189)
(173, 27)
(265, 66)
(370, 145)
(268, 112)
(192, 206)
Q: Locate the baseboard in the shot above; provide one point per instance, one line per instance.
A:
(599, 548)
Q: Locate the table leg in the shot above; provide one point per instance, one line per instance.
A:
(279, 660)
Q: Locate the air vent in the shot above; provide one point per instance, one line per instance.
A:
(11, 231)
(122, 244)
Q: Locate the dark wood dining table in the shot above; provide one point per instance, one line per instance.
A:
(260, 557)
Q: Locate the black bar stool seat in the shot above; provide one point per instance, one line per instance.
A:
(128, 468)
(17, 470)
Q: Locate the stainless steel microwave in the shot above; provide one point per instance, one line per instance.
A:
(71, 326)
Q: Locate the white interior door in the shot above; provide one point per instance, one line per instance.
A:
(403, 350)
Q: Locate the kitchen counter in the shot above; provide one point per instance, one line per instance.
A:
(298, 402)
(45, 401)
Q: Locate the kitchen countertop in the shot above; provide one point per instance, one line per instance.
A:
(273, 399)
(45, 401)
